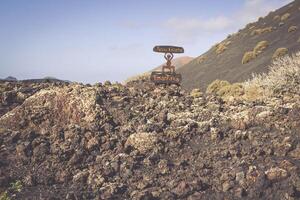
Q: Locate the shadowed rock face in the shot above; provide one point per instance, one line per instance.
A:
(226, 63)
(142, 141)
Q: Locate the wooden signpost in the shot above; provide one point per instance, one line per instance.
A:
(167, 77)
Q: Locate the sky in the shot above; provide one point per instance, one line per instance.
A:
(96, 40)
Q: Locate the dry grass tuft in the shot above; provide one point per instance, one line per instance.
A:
(216, 85)
(285, 16)
(292, 29)
(260, 47)
(248, 56)
(280, 52)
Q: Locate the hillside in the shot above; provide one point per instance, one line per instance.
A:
(279, 29)
(140, 141)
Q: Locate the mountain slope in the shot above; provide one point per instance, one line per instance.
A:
(280, 29)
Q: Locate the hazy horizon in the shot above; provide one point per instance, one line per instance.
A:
(91, 41)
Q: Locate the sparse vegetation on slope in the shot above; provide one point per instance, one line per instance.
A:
(261, 31)
(258, 49)
(230, 67)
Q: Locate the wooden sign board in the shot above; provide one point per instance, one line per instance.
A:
(168, 49)
(165, 78)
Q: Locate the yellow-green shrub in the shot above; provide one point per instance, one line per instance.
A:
(248, 56)
(216, 85)
(260, 47)
(280, 52)
(292, 29)
(231, 90)
(285, 16)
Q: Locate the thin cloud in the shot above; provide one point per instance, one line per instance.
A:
(253, 9)
(213, 24)
(188, 30)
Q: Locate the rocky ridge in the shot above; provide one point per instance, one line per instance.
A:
(141, 141)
